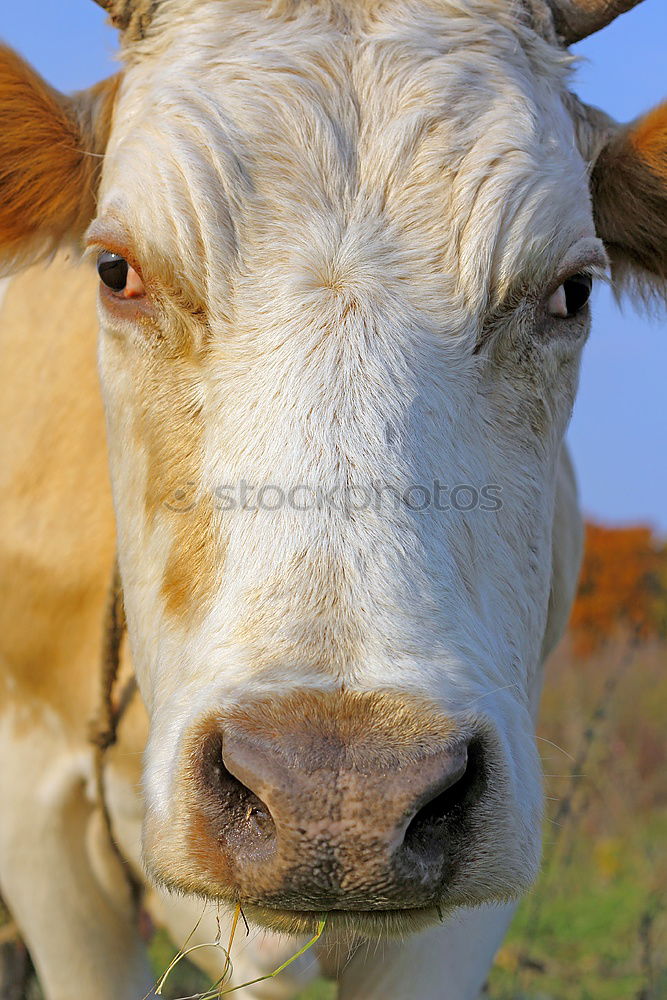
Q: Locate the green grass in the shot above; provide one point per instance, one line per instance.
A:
(320, 990)
(186, 980)
(583, 934)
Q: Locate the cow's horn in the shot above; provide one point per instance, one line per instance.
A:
(132, 17)
(576, 19)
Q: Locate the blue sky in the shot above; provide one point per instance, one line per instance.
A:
(619, 429)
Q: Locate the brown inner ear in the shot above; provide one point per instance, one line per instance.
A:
(629, 190)
(48, 163)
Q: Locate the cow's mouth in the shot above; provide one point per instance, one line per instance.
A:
(374, 924)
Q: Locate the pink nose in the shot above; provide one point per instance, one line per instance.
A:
(336, 813)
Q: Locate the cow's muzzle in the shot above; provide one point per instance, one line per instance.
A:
(329, 802)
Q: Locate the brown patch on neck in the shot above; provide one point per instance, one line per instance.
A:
(58, 538)
(50, 156)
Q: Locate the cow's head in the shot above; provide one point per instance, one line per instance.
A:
(346, 251)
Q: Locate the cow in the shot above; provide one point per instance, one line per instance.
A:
(341, 254)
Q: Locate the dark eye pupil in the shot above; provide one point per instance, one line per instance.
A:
(577, 292)
(112, 269)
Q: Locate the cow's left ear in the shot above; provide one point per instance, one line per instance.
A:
(629, 190)
(51, 148)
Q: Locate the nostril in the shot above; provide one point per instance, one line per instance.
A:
(236, 811)
(446, 812)
(260, 817)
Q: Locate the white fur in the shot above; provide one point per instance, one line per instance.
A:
(352, 209)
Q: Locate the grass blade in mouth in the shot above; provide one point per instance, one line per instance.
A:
(218, 989)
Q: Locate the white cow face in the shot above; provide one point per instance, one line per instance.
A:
(345, 257)
(345, 269)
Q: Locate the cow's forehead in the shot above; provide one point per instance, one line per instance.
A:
(428, 142)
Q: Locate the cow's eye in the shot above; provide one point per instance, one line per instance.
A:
(119, 276)
(571, 297)
(113, 270)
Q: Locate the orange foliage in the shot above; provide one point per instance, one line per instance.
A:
(622, 586)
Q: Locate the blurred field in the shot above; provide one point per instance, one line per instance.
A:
(595, 926)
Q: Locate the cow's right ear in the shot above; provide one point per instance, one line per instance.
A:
(51, 149)
(629, 190)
